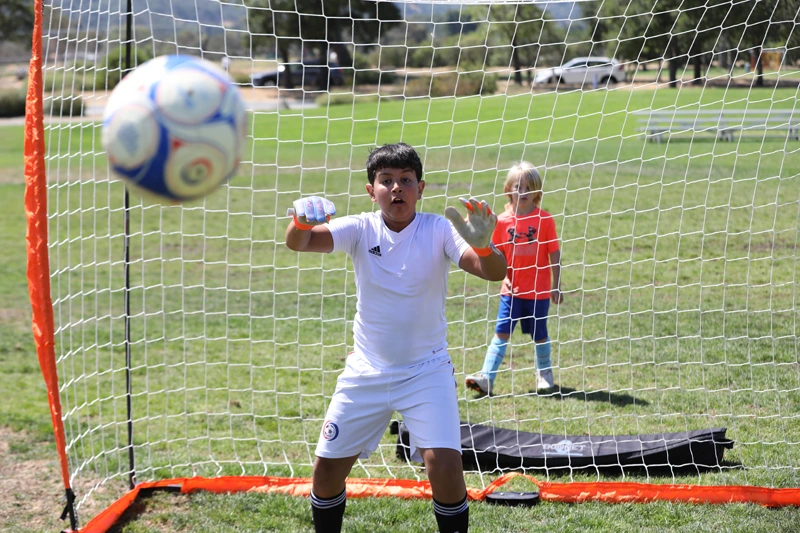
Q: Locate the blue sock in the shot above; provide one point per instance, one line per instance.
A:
(543, 355)
(494, 357)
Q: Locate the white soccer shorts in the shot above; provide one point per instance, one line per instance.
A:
(365, 398)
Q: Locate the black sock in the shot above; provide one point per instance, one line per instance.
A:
(452, 517)
(328, 512)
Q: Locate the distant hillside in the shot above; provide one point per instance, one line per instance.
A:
(185, 26)
(94, 15)
(437, 12)
(159, 15)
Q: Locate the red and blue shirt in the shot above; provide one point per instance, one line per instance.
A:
(527, 242)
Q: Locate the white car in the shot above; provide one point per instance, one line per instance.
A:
(583, 70)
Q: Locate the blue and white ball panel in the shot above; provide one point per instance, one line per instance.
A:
(195, 169)
(214, 132)
(150, 175)
(131, 137)
(189, 96)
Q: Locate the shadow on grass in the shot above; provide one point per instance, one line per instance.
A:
(149, 503)
(131, 514)
(614, 398)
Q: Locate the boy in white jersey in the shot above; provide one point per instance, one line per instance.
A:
(400, 361)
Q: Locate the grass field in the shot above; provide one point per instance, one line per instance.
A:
(680, 262)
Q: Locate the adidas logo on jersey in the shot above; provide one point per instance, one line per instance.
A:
(375, 250)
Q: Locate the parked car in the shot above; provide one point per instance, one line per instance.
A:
(583, 70)
(303, 75)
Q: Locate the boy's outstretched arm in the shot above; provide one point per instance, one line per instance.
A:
(483, 259)
(307, 231)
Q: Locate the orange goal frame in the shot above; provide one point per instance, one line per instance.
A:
(38, 273)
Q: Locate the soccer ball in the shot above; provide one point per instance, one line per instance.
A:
(174, 128)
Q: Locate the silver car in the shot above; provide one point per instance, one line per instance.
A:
(583, 70)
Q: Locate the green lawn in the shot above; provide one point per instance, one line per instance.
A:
(680, 262)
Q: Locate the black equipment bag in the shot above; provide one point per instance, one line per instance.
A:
(488, 448)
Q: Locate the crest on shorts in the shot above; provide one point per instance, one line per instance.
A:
(330, 430)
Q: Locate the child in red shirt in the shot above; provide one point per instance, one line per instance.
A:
(527, 237)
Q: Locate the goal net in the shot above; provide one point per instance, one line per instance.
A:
(190, 341)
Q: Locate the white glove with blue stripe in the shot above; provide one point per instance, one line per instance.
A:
(312, 210)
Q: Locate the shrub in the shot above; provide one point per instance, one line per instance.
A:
(476, 83)
(444, 84)
(480, 55)
(241, 78)
(366, 72)
(500, 57)
(445, 56)
(420, 57)
(12, 103)
(107, 77)
(329, 99)
(427, 57)
(362, 61)
(453, 84)
(393, 57)
(373, 76)
(418, 87)
(66, 106)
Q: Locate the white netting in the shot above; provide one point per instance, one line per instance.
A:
(680, 257)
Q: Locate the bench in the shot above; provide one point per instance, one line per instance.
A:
(722, 123)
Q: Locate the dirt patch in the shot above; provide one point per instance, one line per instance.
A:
(13, 78)
(31, 486)
(762, 247)
(12, 176)
(11, 84)
(155, 513)
(16, 316)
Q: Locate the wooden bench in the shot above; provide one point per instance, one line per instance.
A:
(722, 123)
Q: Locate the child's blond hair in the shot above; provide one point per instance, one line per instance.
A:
(526, 172)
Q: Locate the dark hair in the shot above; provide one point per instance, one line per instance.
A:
(398, 155)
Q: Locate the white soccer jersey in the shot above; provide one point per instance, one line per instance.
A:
(401, 284)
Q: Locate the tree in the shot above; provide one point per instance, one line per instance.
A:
(763, 24)
(677, 31)
(324, 26)
(16, 20)
(523, 29)
(691, 30)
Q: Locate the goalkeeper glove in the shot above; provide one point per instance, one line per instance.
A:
(478, 227)
(311, 211)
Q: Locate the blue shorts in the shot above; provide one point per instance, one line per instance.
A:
(532, 314)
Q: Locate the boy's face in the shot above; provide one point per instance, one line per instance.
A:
(396, 191)
(522, 198)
